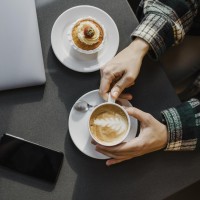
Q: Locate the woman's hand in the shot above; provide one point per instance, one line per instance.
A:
(122, 71)
(152, 137)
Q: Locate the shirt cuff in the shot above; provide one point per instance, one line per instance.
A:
(183, 123)
(157, 31)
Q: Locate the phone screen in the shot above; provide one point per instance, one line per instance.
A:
(30, 158)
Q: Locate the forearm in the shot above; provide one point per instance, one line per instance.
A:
(139, 47)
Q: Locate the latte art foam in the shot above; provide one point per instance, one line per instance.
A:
(108, 124)
(115, 123)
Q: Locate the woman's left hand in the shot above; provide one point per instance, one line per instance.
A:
(152, 137)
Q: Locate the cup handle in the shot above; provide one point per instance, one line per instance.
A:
(110, 99)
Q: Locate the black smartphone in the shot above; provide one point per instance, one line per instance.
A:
(29, 158)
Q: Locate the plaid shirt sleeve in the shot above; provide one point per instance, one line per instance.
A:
(164, 23)
(183, 123)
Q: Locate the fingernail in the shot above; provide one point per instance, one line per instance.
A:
(115, 94)
(108, 163)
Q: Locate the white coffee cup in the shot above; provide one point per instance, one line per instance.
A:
(109, 123)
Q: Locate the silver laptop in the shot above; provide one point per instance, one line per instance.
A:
(21, 61)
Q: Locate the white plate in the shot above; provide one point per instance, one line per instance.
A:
(77, 61)
(78, 128)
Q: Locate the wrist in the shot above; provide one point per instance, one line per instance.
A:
(164, 137)
(140, 47)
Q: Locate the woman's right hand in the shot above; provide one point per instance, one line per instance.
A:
(122, 71)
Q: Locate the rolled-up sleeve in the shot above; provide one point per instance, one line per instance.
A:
(164, 23)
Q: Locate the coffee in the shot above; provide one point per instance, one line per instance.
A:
(108, 124)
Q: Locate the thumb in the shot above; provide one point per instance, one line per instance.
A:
(138, 114)
(123, 83)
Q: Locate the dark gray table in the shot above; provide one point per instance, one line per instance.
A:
(40, 114)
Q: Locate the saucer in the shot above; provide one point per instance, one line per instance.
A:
(70, 57)
(78, 128)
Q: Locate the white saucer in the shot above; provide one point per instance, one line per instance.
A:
(78, 128)
(73, 59)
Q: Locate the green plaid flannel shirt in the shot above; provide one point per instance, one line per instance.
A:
(164, 23)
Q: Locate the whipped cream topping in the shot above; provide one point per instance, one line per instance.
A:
(115, 123)
(80, 32)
